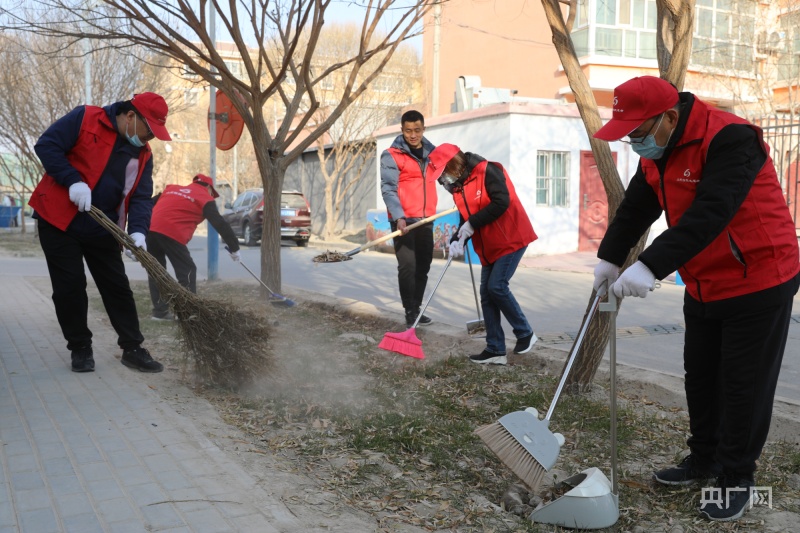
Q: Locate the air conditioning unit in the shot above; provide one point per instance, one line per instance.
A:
(775, 41)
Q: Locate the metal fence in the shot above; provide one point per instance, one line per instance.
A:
(783, 137)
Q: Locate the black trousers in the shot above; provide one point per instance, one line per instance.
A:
(162, 248)
(732, 358)
(414, 253)
(65, 254)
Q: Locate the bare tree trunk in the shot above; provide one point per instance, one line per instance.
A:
(272, 177)
(674, 39)
(593, 348)
(330, 210)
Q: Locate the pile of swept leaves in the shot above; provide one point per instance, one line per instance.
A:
(394, 436)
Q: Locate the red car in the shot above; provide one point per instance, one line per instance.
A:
(246, 216)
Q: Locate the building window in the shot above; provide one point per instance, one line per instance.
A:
(724, 34)
(235, 68)
(188, 73)
(787, 45)
(552, 179)
(190, 97)
(622, 28)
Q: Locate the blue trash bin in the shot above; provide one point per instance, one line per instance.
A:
(8, 215)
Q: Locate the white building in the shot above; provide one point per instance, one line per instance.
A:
(545, 148)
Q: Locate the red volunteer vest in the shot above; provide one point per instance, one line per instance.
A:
(179, 210)
(510, 232)
(417, 193)
(762, 230)
(89, 157)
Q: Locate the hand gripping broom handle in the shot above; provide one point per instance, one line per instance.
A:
(574, 354)
(394, 234)
(430, 297)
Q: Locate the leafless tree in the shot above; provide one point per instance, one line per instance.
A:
(348, 147)
(674, 41)
(285, 34)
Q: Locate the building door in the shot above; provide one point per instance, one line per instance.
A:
(593, 219)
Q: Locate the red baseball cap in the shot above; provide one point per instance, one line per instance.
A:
(438, 159)
(636, 101)
(154, 110)
(202, 179)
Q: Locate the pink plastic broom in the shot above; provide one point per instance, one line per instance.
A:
(407, 343)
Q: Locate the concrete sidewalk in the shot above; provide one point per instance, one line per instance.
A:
(101, 451)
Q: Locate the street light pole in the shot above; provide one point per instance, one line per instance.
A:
(213, 236)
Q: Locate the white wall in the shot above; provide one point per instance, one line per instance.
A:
(511, 134)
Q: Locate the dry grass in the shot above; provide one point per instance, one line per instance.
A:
(394, 436)
(228, 345)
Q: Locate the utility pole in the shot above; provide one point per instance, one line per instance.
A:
(213, 236)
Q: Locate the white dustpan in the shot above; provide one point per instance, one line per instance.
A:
(593, 502)
(590, 504)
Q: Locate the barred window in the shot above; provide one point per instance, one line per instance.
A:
(552, 179)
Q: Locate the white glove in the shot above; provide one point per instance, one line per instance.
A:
(465, 231)
(637, 280)
(81, 195)
(139, 241)
(235, 256)
(456, 249)
(604, 272)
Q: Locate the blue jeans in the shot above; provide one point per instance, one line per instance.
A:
(496, 298)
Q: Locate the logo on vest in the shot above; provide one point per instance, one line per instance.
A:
(687, 177)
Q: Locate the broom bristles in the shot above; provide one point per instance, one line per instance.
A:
(228, 344)
(512, 454)
(405, 343)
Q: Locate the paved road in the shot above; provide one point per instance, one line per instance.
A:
(649, 331)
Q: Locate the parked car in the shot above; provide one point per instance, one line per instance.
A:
(246, 216)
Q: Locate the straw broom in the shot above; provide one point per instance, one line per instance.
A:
(228, 344)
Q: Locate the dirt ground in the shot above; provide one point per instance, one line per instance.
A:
(330, 377)
(344, 430)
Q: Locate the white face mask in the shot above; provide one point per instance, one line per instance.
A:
(135, 140)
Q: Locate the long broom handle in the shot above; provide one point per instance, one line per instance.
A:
(430, 297)
(396, 233)
(573, 355)
(474, 290)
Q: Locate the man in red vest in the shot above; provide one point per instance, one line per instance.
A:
(176, 214)
(97, 156)
(731, 237)
(410, 195)
(500, 229)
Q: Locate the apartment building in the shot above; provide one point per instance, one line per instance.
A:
(746, 53)
(491, 58)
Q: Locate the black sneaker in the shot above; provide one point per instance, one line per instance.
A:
(688, 471)
(140, 359)
(488, 358)
(411, 317)
(525, 344)
(168, 316)
(83, 360)
(729, 499)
